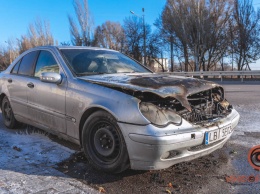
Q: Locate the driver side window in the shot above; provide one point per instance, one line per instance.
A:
(45, 63)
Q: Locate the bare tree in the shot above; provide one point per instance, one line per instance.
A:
(155, 49)
(133, 28)
(81, 29)
(4, 59)
(133, 32)
(64, 43)
(246, 42)
(8, 54)
(110, 35)
(174, 24)
(168, 37)
(39, 34)
(199, 28)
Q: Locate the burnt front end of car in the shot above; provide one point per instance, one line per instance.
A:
(177, 133)
(205, 107)
(184, 118)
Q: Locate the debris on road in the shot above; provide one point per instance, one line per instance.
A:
(101, 190)
(17, 148)
(233, 152)
(170, 185)
(168, 191)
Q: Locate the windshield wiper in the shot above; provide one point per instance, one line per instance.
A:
(90, 73)
(127, 72)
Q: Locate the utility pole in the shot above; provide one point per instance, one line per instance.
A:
(197, 50)
(144, 38)
(172, 57)
(197, 46)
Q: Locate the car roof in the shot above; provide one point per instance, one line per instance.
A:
(70, 47)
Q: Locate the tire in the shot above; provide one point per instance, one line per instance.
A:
(8, 115)
(104, 144)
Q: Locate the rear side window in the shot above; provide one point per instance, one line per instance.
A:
(45, 63)
(27, 63)
(16, 67)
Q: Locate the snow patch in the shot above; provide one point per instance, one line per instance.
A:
(35, 148)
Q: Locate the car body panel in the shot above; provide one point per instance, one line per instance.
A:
(46, 104)
(82, 96)
(155, 143)
(164, 85)
(17, 91)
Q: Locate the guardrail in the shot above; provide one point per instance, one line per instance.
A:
(221, 74)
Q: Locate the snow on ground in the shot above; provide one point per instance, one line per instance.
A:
(34, 147)
(248, 126)
(249, 118)
(28, 158)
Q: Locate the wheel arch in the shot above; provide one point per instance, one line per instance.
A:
(85, 116)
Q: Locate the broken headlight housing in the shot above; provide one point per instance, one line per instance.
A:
(159, 115)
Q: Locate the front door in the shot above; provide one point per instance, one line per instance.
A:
(46, 101)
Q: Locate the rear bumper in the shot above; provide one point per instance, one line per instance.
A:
(153, 148)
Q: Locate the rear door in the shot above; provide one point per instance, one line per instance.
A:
(46, 101)
(17, 82)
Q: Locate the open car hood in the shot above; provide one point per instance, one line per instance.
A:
(163, 85)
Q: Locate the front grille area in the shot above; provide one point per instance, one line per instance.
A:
(206, 106)
(203, 146)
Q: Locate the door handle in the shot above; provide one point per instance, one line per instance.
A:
(30, 85)
(10, 80)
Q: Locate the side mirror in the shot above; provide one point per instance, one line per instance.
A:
(51, 77)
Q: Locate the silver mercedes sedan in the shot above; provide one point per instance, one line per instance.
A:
(120, 113)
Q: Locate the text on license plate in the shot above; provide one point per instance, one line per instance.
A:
(217, 134)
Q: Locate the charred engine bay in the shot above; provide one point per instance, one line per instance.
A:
(206, 106)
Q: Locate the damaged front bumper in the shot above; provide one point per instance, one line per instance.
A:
(153, 148)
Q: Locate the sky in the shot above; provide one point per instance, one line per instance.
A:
(16, 15)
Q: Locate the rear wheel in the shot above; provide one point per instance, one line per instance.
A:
(8, 115)
(104, 143)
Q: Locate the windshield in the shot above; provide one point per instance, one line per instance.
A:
(89, 62)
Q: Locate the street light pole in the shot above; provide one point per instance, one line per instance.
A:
(144, 38)
(144, 34)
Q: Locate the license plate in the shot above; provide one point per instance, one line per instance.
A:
(218, 134)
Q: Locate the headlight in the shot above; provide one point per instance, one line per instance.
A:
(159, 116)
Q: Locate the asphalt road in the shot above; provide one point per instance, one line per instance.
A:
(204, 175)
(246, 100)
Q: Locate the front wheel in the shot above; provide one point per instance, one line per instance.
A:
(104, 143)
(8, 115)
